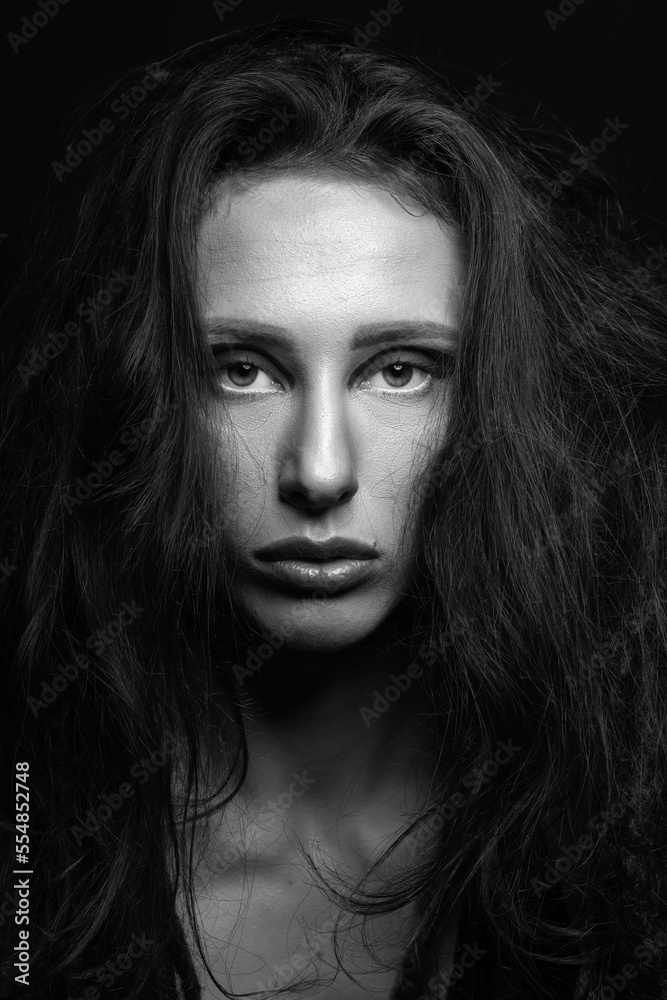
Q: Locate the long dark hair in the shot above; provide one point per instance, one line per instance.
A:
(537, 621)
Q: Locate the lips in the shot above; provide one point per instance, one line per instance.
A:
(332, 565)
(306, 548)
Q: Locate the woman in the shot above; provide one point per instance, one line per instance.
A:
(335, 627)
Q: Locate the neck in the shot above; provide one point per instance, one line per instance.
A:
(324, 715)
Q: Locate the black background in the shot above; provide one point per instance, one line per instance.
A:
(604, 59)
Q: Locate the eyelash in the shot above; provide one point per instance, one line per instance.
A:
(437, 369)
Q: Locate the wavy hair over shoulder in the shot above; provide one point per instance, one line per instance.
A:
(541, 575)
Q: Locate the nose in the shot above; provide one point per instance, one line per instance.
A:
(318, 470)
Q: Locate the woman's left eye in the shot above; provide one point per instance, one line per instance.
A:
(404, 374)
(398, 375)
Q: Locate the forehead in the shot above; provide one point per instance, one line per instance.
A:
(327, 242)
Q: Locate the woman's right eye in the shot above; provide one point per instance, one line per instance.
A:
(241, 373)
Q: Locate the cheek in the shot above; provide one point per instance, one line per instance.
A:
(396, 464)
(246, 455)
(398, 454)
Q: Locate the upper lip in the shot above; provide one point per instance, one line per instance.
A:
(305, 548)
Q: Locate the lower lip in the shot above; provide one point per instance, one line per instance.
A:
(330, 576)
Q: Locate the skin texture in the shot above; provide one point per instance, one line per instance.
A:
(325, 445)
(322, 440)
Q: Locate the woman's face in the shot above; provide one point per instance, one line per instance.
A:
(332, 312)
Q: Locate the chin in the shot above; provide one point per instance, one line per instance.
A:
(317, 623)
(325, 640)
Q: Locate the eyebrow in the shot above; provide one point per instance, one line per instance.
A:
(366, 335)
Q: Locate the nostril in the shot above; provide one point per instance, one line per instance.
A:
(346, 495)
(296, 498)
(316, 501)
